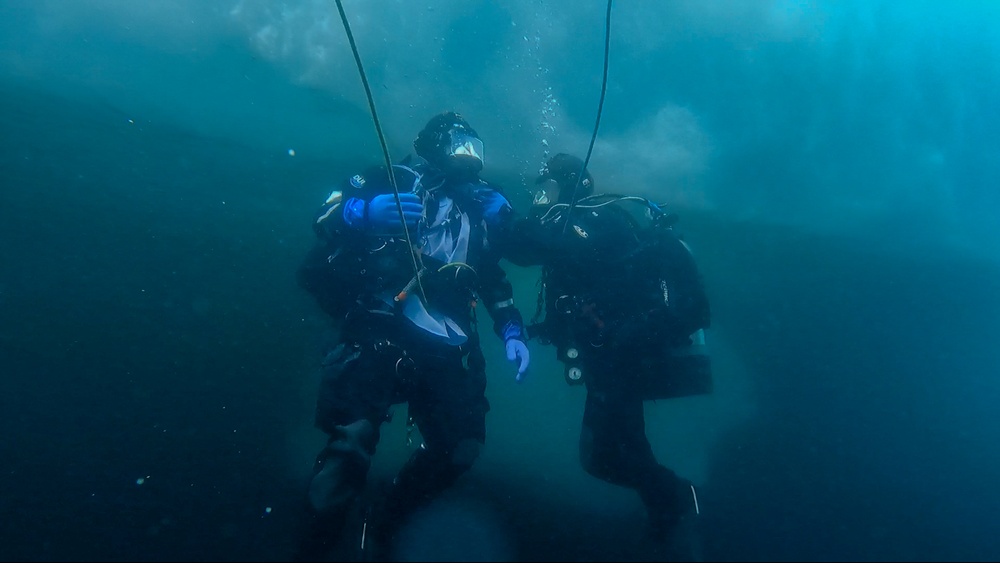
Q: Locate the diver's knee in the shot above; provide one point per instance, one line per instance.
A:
(586, 453)
(342, 467)
(466, 453)
(356, 436)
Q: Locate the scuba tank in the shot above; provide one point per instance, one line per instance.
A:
(680, 371)
(671, 368)
(670, 373)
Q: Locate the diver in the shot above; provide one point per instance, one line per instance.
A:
(403, 279)
(623, 303)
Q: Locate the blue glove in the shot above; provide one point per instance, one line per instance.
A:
(381, 216)
(516, 350)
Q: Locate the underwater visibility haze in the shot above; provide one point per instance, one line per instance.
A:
(834, 165)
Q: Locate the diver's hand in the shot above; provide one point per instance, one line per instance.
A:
(517, 351)
(381, 216)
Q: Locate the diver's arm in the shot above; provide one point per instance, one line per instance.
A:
(495, 289)
(321, 272)
(527, 242)
(497, 294)
(328, 223)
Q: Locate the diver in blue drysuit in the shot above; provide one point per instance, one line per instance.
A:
(404, 339)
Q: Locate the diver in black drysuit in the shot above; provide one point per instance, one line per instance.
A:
(618, 296)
